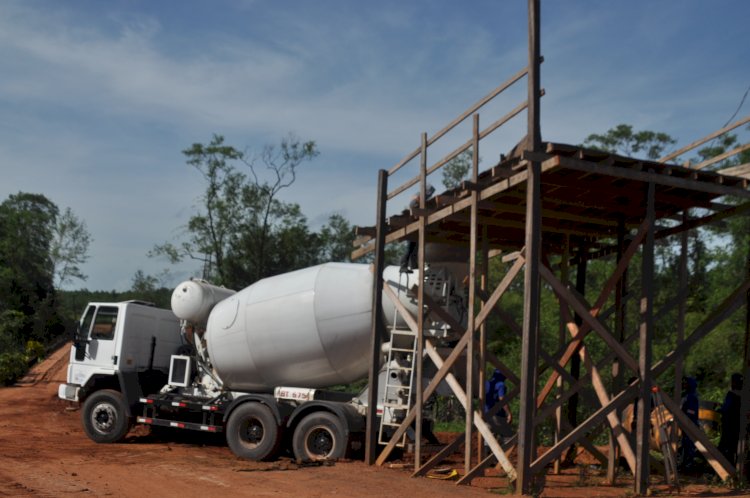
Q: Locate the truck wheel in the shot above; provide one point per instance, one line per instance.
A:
(105, 416)
(252, 432)
(319, 436)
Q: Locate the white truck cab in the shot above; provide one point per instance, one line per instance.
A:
(120, 350)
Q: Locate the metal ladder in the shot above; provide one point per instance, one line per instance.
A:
(665, 442)
(399, 379)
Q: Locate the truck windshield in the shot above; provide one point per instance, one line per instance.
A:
(104, 323)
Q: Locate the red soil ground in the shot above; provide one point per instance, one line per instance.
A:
(44, 452)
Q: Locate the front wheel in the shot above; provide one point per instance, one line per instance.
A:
(105, 417)
(252, 432)
(319, 436)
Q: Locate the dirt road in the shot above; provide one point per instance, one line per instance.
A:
(44, 452)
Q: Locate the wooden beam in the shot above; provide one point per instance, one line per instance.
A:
(479, 422)
(473, 240)
(721, 157)
(742, 170)
(594, 419)
(734, 301)
(718, 462)
(377, 324)
(603, 297)
(418, 359)
(441, 455)
(471, 110)
(643, 430)
(458, 150)
(708, 138)
(650, 176)
(502, 287)
(588, 317)
(532, 284)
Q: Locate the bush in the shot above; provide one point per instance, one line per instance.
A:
(12, 366)
(34, 351)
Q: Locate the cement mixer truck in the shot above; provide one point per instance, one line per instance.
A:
(255, 364)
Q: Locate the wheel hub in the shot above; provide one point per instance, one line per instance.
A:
(103, 417)
(320, 442)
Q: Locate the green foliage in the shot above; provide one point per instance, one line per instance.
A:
(69, 248)
(243, 231)
(34, 350)
(623, 140)
(12, 366)
(457, 169)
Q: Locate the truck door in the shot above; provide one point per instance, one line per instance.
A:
(101, 337)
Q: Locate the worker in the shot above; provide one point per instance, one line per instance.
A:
(494, 393)
(730, 419)
(690, 406)
(409, 259)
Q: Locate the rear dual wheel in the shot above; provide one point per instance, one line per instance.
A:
(319, 436)
(252, 432)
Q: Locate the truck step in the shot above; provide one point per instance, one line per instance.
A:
(179, 425)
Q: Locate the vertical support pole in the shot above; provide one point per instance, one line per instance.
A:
(742, 456)
(483, 284)
(644, 358)
(617, 384)
(419, 401)
(682, 307)
(575, 361)
(376, 334)
(562, 335)
(532, 287)
(470, 365)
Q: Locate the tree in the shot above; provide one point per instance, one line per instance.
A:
(69, 248)
(336, 239)
(243, 231)
(623, 140)
(457, 168)
(26, 232)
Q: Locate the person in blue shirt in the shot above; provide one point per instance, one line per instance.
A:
(494, 392)
(690, 406)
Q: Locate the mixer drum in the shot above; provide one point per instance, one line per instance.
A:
(308, 328)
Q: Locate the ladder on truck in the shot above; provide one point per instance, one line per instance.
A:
(398, 396)
(399, 379)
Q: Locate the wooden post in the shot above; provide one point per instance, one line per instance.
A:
(575, 361)
(483, 284)
(564, 275)
(620, 315)
(644, 359)
(470, 365)
(682, 306)
(742, 453)
(376, 334)
(420, 305)
(532, 287)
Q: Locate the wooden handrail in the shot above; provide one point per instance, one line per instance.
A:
(471, 110)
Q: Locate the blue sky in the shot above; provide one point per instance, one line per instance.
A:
(97, 99)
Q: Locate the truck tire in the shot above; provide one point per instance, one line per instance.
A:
(252, 432)
(319, 436)
(105, 417)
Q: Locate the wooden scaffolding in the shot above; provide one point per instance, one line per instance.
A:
(544, 208)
